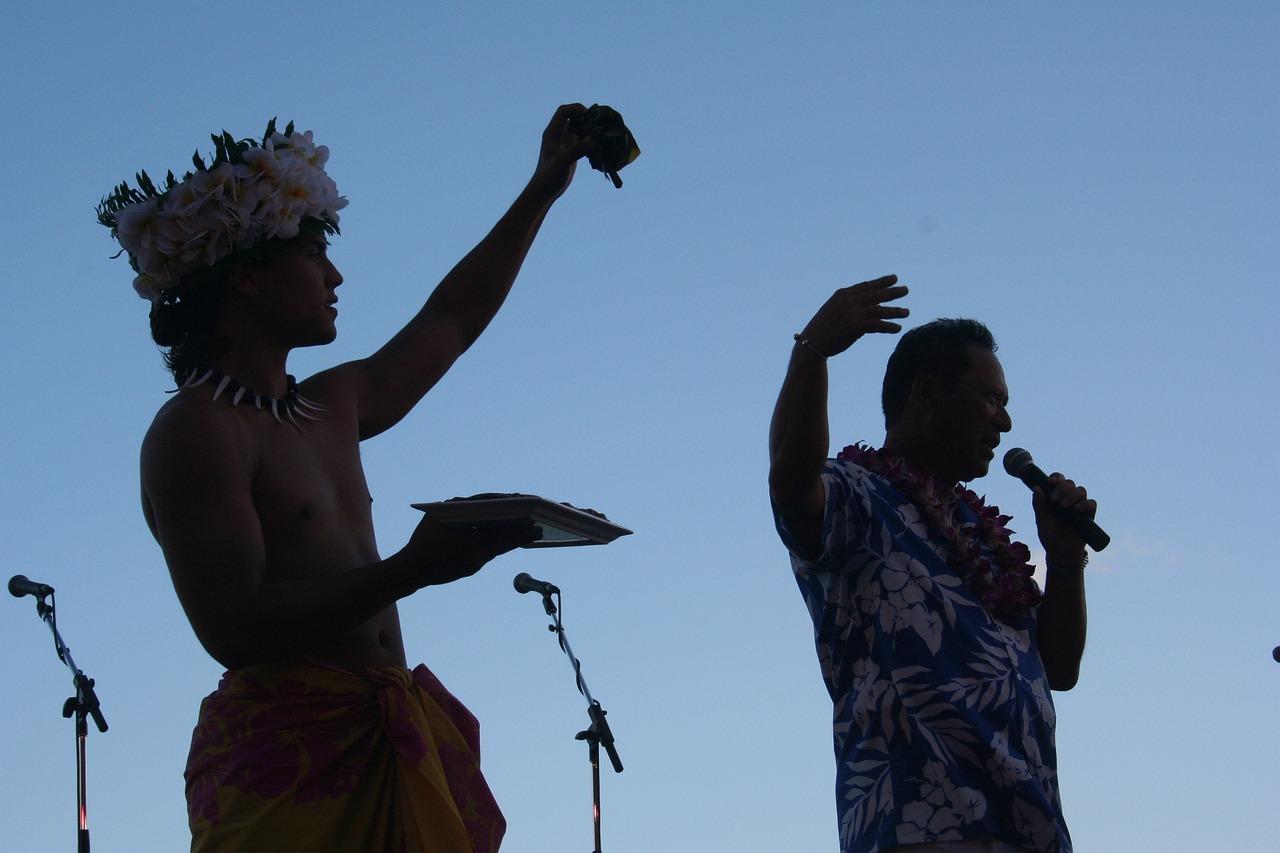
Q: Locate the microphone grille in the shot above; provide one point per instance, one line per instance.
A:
(1017, 460)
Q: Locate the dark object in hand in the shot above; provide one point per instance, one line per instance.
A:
(615, 146)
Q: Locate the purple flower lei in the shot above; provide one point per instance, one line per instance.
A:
(1002, 582)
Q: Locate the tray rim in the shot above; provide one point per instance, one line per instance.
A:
(590, 529)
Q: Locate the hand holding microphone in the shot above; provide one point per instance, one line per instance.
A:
(1019, 463)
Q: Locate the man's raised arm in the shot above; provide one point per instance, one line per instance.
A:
(798, 436)
(391, 381)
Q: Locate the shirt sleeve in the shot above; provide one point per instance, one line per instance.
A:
(845, 519)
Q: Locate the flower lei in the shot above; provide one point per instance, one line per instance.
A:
(250, 191)
(1002, 581)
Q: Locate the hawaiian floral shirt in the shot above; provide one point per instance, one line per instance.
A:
(942, 716)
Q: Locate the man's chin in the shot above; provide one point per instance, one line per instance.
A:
(320, 339)
(978, 470)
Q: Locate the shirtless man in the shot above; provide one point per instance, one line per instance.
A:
(263, 512)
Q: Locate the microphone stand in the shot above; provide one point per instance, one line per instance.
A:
(83, 704)
(598, 732)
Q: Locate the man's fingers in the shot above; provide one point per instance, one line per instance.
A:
(1067, 495)
(1059, 488)
(864, 294)
(566, 111)
(878, 284)
(560, 119)
(888, 294)
(855, 310)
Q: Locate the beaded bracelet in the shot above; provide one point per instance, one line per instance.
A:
(804, 342)
(1068, 573)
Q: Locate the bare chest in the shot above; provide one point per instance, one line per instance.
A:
(313, 501)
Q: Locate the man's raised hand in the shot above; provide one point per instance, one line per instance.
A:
(560, 152)
(854, 311)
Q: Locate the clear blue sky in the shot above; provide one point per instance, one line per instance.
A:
(1096, 181)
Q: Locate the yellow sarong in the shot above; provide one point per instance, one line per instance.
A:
(311, 757)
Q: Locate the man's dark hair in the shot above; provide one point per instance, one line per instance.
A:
(934, 349)
(184, 318)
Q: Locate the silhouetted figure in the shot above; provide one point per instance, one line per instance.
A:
(936, 645)
(318, 736)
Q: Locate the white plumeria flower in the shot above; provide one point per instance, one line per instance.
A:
(226, 207)
(263, 163)
(146, 287)
(135, 225)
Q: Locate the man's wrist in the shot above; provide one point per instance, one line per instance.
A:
(544, 189)
(1066, 565)
(403, 574)
(806, 346)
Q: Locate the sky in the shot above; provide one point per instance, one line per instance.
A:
(1097, 182)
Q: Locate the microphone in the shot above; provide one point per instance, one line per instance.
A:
(1019, 463)
(524, 583)
(20, 586)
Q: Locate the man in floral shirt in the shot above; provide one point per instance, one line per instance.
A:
(937, 647)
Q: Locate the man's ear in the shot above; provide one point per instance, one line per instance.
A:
(244, 279)
(924, 393)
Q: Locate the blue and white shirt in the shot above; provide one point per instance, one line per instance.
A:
(942, 716)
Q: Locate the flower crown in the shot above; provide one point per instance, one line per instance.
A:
(250, 191)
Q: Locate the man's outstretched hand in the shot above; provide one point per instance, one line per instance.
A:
(854, 311)
(444, 553)
(561, 150)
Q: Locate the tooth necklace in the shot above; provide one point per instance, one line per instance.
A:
(291, 404)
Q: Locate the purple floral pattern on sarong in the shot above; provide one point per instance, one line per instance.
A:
(389, 746)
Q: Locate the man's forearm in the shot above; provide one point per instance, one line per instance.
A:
(1062, 622)
(276, 620)
(473, 291)
(798, 435)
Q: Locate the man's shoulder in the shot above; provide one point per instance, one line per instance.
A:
(858, 481)
(867, 501)
(336, 386)
(194, 424)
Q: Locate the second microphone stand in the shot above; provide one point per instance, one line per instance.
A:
(598, 733)
(82, 705)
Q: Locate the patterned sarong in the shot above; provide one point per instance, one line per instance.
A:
(315, 758)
